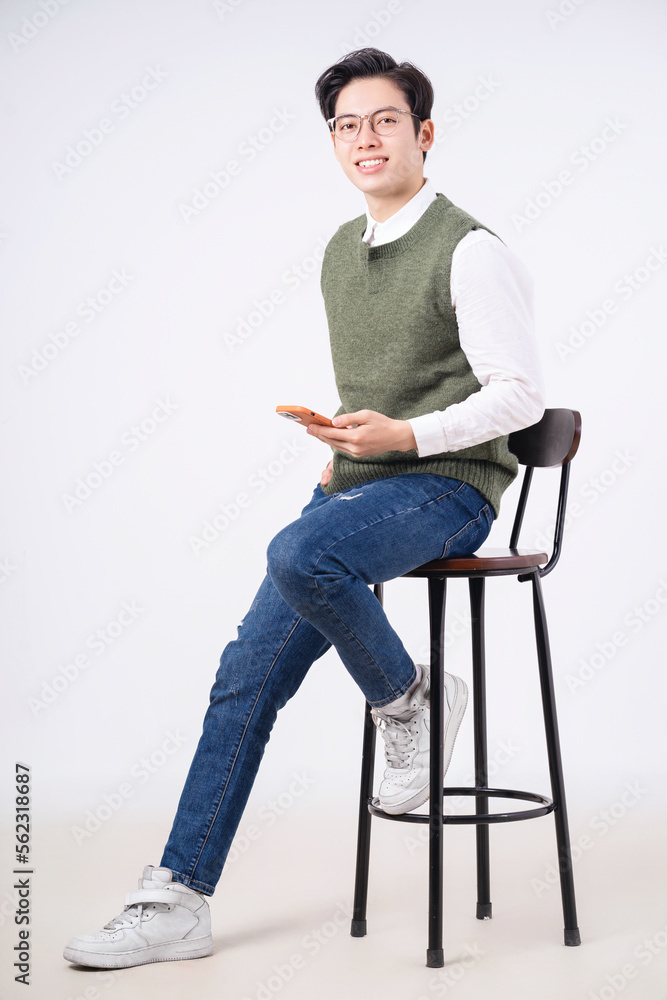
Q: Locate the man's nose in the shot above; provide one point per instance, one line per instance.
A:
(366, 134)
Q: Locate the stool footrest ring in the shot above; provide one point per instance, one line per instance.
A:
(544, 806)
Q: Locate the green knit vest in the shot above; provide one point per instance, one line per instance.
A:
(395, 345)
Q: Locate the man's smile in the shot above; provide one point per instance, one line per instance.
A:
(370, 164)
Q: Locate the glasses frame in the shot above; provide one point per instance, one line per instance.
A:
(351, 114)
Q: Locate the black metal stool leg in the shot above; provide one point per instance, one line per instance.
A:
(435, 957)
(358, 925)
(572, 936)
(476, 586)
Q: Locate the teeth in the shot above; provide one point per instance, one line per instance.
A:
(370, 163)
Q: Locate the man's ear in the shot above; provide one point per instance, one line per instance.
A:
(427, 137)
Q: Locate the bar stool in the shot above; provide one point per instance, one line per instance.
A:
(550, 443)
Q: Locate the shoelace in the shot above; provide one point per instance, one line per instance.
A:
(398, 742)
(132, 914)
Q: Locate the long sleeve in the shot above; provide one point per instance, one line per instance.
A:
(492, 295)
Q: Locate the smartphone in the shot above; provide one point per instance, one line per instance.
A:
(303, 415)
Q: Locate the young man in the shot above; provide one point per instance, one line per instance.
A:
(431, 335)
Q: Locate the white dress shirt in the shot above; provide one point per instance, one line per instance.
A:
(492, 296)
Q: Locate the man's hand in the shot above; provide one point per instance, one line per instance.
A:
(326, 473)
(365, 433)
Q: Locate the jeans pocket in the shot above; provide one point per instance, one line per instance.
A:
(469, 538)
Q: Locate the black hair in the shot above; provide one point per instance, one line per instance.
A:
(415, 85)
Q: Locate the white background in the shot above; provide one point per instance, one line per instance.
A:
(521, 93)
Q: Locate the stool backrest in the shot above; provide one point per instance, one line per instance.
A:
(553, 441)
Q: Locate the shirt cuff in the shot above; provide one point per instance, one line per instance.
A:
(429, 435)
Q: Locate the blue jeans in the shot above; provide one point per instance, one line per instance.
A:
(316, 594)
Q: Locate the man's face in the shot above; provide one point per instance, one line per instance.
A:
(400, 170)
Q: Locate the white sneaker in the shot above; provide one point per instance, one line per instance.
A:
(407, 743)
(163, 921)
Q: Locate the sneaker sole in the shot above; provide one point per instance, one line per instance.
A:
(456, 713)
(175, 951)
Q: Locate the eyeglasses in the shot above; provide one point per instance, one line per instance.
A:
(384, 121)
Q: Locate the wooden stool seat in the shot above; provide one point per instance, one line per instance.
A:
(490, 562)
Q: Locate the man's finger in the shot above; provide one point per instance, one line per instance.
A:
(330, 435)
(347, 419)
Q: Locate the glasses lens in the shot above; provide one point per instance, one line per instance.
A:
(385, 121)
(347, 126)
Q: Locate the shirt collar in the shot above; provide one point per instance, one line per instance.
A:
(400, 222)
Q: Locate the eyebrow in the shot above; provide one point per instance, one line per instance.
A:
(383, 107)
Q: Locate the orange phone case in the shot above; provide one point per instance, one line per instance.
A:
(302, 415)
